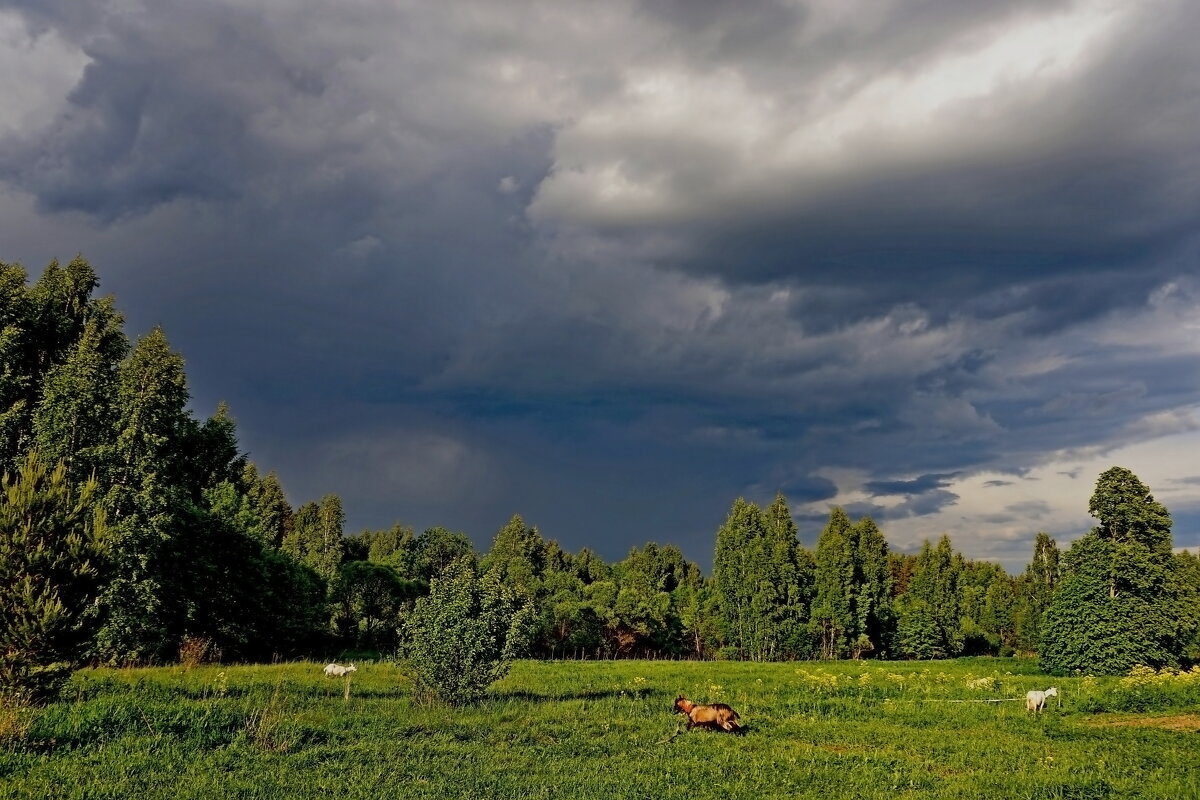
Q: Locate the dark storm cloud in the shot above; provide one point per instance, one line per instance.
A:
(920, 485)
(612, 265)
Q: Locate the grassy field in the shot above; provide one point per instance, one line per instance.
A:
(605, 729)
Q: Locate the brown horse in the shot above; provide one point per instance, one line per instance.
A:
(717, 715)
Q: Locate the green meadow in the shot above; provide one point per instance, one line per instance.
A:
(605, 729)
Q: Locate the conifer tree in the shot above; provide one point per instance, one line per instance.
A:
(76, 418)
(15, 315)
(145, 501)
(53, 542)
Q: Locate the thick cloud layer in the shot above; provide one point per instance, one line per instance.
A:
(612, 264)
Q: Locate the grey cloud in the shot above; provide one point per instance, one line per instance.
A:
(347, 219)
(916, 486)
(1031, 509)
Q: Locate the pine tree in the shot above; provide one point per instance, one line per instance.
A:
(53, 542)
(76, 418)
(142, 470)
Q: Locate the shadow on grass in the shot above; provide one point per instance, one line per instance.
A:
(537, 697)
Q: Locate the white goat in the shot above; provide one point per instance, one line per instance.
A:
(1036, 701)
(337, 670)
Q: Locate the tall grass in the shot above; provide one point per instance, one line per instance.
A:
(605, 729)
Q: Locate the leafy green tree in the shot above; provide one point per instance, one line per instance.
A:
(569, 623)
(930, 622)
(788, 587)
(368, 598)
(834, 620)
(437, 548)
(393, 546)
(874, 616)
(1187, 580)
(740, 573)
(918, 635)
(643, 618)
(290, 608)
(315, 538)
(53, 542)
(518, 555)
(590, 567)
(1034, 589)
(1117, 603)
(981, 587)
(699, 614)
(1128, 513)
(464, 635)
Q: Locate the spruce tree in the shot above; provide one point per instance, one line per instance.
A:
(146, 504)
(53, 543)
(76, 418)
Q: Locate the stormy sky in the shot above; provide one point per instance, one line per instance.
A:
(612, 265)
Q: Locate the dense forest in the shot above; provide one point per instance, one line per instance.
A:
(132, 529)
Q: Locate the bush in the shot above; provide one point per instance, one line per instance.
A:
(464, 635)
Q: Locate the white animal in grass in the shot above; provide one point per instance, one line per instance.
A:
(337, 670)
(1036, 701)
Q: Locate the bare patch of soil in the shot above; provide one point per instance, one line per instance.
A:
(1183, 723)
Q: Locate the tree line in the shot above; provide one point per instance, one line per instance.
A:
(130, 528)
